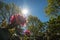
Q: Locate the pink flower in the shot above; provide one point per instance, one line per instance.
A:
(27, 32)
(12, 19)
(18, 19)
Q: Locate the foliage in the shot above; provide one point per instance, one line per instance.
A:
(34, 25)
(53, 7)
(54, 25)
(6, 10)
(53, 10)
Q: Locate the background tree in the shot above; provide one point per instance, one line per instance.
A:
(6, 10)
(53, 11)
(53, 8)
(53, 25)
(34, 25)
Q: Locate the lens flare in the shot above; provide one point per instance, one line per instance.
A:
(25, 11)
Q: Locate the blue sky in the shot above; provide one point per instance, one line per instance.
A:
(36, 7)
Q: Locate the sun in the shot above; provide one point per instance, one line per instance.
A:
(25, 11)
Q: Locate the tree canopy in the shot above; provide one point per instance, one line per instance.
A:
(53, 7)
(34, 25)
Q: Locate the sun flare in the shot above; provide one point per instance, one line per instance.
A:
(25, 11)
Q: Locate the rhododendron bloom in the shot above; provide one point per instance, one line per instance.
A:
(27, 32)
(18, 19)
